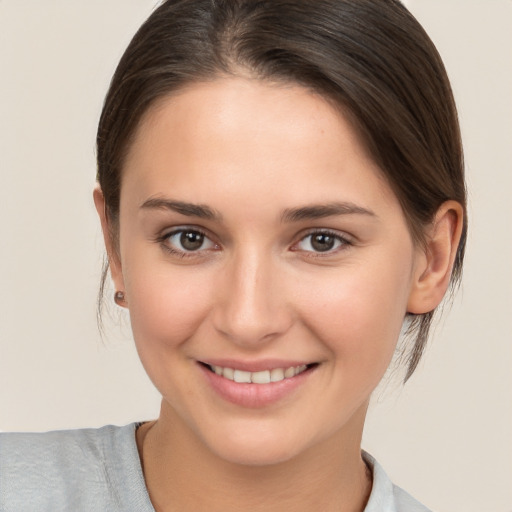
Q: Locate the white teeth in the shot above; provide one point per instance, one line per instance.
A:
(263, 377)
(260, 377)
(229, 373)
(241, 376)
(289, 372)
(276, 375)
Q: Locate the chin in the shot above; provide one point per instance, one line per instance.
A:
(259, 455)
(249, 448)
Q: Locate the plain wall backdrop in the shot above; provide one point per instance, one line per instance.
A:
(445, 436)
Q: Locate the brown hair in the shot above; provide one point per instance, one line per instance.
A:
(371, 57)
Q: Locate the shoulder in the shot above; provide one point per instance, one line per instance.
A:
(406, 503)
(68, 470)
(55, 444)
(387, 497)
(35, 456)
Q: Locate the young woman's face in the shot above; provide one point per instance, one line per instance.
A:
(259, 240)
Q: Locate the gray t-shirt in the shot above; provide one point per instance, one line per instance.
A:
(99, 470)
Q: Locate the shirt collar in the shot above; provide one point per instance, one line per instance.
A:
(382, 496)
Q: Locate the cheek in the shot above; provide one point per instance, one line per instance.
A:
(166, 305)
(358, 312)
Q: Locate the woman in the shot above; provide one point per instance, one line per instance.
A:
(280, 186)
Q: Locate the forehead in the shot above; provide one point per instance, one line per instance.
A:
(249, 137)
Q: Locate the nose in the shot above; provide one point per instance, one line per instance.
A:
(252, 306)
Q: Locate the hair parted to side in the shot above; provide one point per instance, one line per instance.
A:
(370, 57)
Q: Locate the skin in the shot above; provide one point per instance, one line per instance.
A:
(257, 289)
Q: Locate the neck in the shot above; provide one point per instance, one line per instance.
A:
(183, 474)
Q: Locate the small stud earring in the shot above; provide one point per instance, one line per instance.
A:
(119, 299)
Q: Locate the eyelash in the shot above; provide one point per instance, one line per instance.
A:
(163, 240)
(343, 243)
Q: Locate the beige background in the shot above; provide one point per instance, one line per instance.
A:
(445, 437)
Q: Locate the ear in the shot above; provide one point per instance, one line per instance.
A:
(435, 260)
(110, 245)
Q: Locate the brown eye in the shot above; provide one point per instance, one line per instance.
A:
(188, 240)
(322, 242)
(191, 240)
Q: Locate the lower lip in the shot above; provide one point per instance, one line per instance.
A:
(255, 395)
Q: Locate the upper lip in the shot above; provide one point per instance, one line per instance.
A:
(255, 366)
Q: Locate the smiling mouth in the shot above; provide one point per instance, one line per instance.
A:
(261, 377)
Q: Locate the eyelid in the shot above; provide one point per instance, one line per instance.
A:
(345, 239)
(171, 230)
(166, 234)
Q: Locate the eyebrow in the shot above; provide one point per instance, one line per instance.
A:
(188, 209)
(319, 211)
(316, 211)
